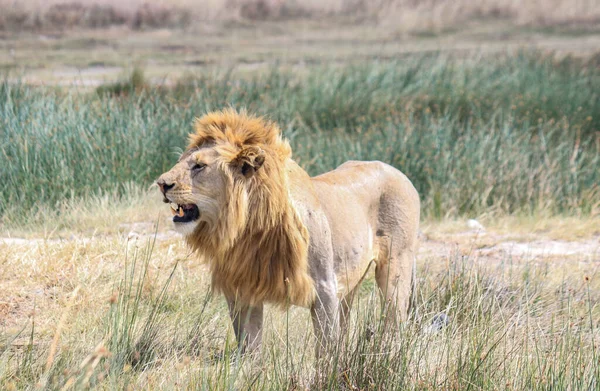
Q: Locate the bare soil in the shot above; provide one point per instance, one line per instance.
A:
(474, 242)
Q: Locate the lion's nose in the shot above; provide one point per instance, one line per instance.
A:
(164, 186)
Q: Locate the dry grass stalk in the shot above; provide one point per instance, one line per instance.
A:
(61, 323)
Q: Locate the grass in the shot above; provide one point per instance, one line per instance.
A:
(136, 317)
(512, 140)
(508, 135)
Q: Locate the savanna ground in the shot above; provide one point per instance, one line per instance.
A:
(491, 109)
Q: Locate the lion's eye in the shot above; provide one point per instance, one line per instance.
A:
(198, 167)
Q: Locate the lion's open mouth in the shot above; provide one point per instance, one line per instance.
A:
(184, 213)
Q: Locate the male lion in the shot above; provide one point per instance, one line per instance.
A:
(272, 234)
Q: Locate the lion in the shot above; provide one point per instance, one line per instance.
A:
(272, 234)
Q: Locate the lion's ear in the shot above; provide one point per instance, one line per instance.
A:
(249, 160)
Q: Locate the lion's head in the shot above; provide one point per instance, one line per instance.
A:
(229, 197)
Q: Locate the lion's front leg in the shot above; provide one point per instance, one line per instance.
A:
(325, 316)
(247, 325)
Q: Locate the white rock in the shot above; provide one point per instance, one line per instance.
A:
(475, 225)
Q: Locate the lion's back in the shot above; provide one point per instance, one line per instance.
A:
(367, 182)
(368, 193)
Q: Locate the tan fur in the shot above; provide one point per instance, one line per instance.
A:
(270, 233)
(259, 255)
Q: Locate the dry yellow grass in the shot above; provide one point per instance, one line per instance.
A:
(67, 291)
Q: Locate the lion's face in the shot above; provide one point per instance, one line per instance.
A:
(230, 197)
(198, 186)
(195, 188)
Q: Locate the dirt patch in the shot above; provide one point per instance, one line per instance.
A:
(91, 76)
(489, 247)
(547, 248)
(472, 242)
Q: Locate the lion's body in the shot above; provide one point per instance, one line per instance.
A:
(369, 212)
(282, 237)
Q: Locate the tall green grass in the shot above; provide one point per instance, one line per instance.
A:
(510, 134)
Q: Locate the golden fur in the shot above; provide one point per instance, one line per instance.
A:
(248, 208)
(257, 250)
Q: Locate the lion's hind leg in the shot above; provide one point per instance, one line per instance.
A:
(394, 274)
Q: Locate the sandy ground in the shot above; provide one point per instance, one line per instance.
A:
(474, 242)
(490, 247)
(472, 236)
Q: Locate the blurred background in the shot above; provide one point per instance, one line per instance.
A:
(89, 41)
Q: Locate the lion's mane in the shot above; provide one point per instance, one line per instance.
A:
(257, 249)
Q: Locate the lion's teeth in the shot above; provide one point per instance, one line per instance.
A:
(180, 211)
(174, 206)
(173, 212)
